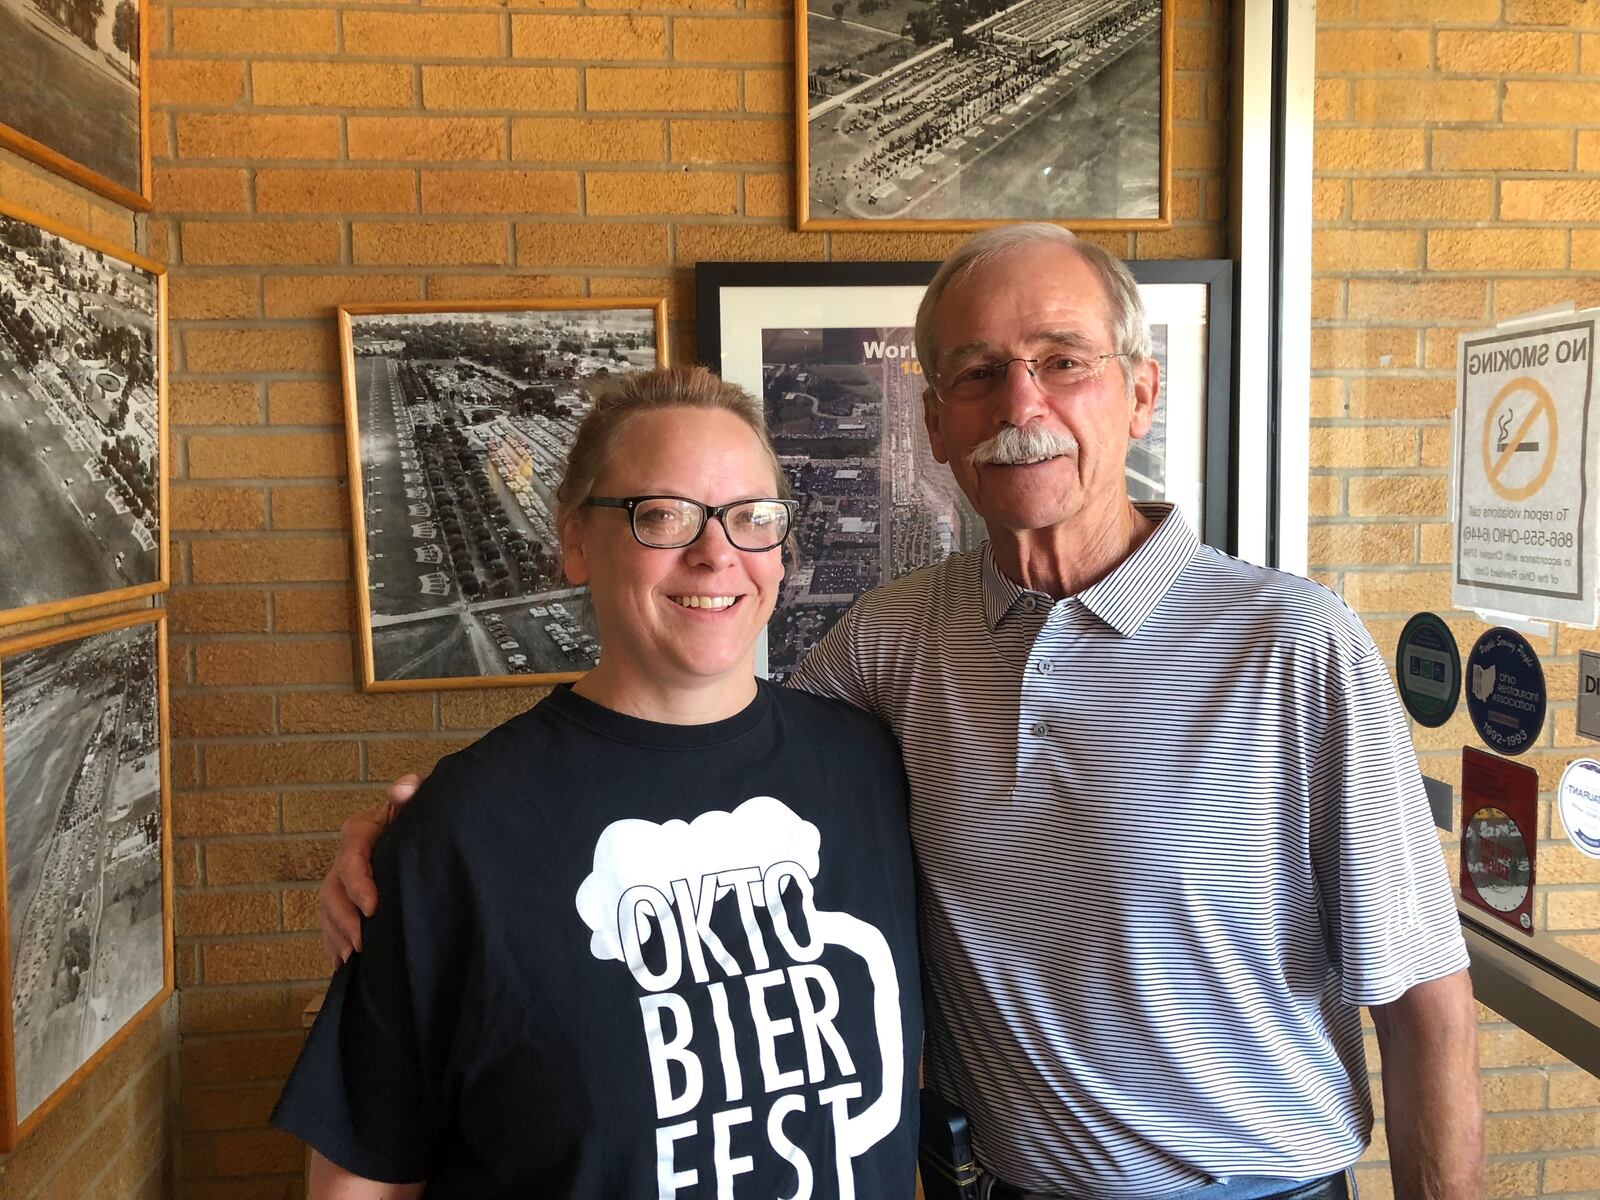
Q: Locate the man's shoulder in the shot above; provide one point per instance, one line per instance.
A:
(1268, 597)
(925, 592)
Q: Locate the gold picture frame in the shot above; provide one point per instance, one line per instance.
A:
(85, 479)
(51, 120)
(453, 461)
(886, 129)
(77, 956)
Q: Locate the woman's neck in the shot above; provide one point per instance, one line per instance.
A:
(668, 704)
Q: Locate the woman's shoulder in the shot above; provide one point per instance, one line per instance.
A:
(830, 717)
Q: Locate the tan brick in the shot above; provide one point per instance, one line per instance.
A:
(1574, 910)
(1513, 1092)
(330, 85)
(497, 88)
(1369, 149)
(1367, 346)
(1399, 495)
(458, 243)
(585, 140)
(239, 1058)
(229, 243)
(1550, 200)
(309, 402)
(699, 193)
(253, 31)
(1505, 52)
(770, 91)
(1370, 51)
(732, 39)
(318, 296)
(1589, 151)
(1438, 543)
(213, 404)
(268, 561)
(1403, 397)
(402, 35)
(211, 1109)
(1403, 101)
(389, 758)
(325, 811)
(1421, 300)
(769, 195)
(310, 507)
(1439, 346)
(1327, 299)
(214, 297)
(1328, 198)
(207, 814)
(1570, 1173)
(1496, 249)
(335, 712)
(489, 286)
(323, 610)
(196, 81)
(591, 244)
(300, 910)
(1585, 250)
(500, 191)
(1422, 199)
(200, 914)
(732, 141)
(262, 861)
(265, 456)
(590, 38)
(487, 708)
(256, 136)
(1396, 591)
(1502, 149)
(678, 288)
(1327, 398)
(275, 350)
(696, 243)
(200, 610)
(258, 962)
(1372, 545)
(426, 139)
(1365, 250)
(199, 189)
(258, 763)
(1589, 54)
(1550, 1131)
(1538, 103)
(660, 89)
(1461, 11)
(1364, 446)
(215, 508)
(335, 191)
(1330, 100)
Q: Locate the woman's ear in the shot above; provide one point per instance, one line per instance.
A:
(574, 564)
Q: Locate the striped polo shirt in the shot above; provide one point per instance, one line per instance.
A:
(1170, 834)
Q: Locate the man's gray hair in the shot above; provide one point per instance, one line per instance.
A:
(1130, 329)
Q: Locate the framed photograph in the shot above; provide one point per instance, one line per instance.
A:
(828, 347)
(72, 94)
(83, 420)
(460, 418)
(923, 115)
(86, 855)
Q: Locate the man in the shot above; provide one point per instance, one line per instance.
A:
(1169, 825)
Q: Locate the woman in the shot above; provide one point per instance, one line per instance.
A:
(655, 937)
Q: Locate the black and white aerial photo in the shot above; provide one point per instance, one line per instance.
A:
(464, 420)
(85, 933)
(80, 421)
(984, 109)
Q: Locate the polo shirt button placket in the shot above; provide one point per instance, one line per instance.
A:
(1040, 729)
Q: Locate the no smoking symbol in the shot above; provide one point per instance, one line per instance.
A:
(1519, 439)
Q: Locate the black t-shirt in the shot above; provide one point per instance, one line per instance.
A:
(613, 959)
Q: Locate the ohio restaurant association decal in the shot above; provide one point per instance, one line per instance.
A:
(1505, 691)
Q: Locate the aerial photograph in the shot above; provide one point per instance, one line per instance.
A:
(85, 931)
(80, 420)
(1059, 100)
(464, 423)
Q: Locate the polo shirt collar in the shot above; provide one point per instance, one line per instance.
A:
(1125, 598)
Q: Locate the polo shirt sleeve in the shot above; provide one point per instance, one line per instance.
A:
(360, 1094)
(1386, 896)
(833, 666)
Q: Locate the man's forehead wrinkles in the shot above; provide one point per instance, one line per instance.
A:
(1052, 336)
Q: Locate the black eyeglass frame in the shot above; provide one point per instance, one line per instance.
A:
(707, 512)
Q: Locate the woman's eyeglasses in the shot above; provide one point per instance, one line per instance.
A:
(672, 522)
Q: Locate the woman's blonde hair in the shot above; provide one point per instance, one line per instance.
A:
(618, 400)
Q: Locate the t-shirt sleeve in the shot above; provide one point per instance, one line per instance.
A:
(833, 666)
(1386, 895)
(361, 1093)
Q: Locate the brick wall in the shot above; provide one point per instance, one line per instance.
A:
(112, 1138)
(1457, 182)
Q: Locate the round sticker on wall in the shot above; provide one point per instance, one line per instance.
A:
(1498, 863)
(1427, 668)
(1505, 691)
(1579, 800)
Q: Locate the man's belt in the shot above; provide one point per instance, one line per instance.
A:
(1331, 1188)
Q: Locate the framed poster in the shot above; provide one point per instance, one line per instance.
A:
(86, 854)
(459, 419)
(957, 116)
(72, 94)
(829, 349)
(83, 420)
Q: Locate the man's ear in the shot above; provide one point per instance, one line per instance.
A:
(930, 418)
(1146, 391)
(574, 564)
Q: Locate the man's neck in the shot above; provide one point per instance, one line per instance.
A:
(1064, 560)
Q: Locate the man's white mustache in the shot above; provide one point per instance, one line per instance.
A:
(1022, 444)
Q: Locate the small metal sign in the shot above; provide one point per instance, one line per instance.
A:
(1505, 691)
(1499, 836)
(1589, 694)
(1578, 799)
(1427, 669)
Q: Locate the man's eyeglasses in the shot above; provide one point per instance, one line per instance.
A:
(1056, 374)
(672, 522)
